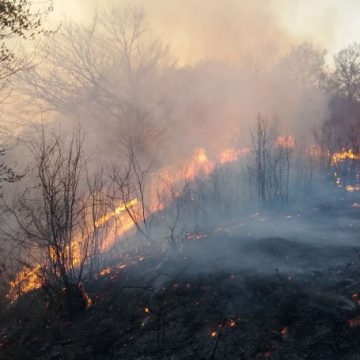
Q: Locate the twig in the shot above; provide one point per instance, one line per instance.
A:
(281, 280)
(159, 315)
(212, 357)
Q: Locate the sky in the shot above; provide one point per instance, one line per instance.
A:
(195, 28)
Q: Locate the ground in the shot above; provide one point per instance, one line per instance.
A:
(232, 293)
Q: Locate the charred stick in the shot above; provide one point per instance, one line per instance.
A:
(281, 280)
(212, 357)
(159, 317)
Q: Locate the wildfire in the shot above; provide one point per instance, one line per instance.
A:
(231, 155)
(200, 164)
(315, 151)
(352, 188)
(287, 142)
(29, 279)
(119, 220)
(105, 272)
(105, 218)
(26, 280)
(344, 155)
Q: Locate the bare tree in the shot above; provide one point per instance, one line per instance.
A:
(345, 79)
(98, 223)
(55, 231)
(305, 65)
(260, 149)
(172, 204)
(130, 180)
(270, 166)
(105, 72)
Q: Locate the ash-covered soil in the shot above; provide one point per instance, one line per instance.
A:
(233, 293)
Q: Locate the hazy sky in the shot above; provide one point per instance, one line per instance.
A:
(195, 28)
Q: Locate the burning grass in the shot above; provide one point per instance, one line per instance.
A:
(205, 300)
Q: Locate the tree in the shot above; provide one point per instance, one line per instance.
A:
(7, 174)
(305, 65)
(260, 148)
(105, 73)
(344, 80)
(270, 165)
(130, 182)
(18, 22)
(54, 228)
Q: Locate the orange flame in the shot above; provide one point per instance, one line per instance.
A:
(199, 165)
(231, 155)
(344, 155)
(287, 142)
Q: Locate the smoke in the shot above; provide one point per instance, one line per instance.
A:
(198, 77)
(228, 68)
(226, 62)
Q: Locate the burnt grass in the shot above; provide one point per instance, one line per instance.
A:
(299, 302)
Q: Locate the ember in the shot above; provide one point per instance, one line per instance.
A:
(354, 322)
(352, 188)
(231, 323)
(284, 331)
(106, 271)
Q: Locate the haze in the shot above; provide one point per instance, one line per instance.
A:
(201, 30)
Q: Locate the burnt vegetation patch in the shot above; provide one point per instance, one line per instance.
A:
(161, 308)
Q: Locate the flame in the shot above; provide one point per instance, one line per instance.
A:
(344, 155)
(231, 323)
(106, 271)
(352, 188)
(29, 279)
(119, 220)
(87, 299)
(231, 155)
(26, 280)
(199, 165)
(108, 216)
(287, 142)
(315, 151)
